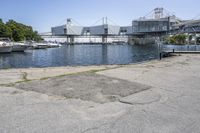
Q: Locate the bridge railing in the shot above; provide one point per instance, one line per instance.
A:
(181, 48)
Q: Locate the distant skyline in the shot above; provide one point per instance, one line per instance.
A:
(43, 14)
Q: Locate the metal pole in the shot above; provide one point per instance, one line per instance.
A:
(160, 56)
(159, 52)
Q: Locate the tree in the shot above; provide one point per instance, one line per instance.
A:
(4, 30)
(178, 39)
(21, 32)
(18, 33)
(36, 37)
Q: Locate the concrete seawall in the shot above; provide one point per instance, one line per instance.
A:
(141, 41)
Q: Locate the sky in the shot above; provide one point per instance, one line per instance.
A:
(44, 14)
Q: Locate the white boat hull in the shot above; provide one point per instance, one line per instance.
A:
(19, 48)
(40, 46)
(53, 45)
(5, 49)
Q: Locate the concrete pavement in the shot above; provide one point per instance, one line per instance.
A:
(168, 100)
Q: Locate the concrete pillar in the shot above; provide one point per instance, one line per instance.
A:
(68, 39)
(104, 39)
(72, 39)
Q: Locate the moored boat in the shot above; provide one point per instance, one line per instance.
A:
(19, 47)
(5, 47)
(40, 46)
(54, 45)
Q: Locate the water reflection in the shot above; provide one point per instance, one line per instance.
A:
(72, 55)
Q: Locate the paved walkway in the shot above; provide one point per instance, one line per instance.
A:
(168, 100)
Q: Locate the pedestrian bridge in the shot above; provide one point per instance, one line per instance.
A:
(192, 26)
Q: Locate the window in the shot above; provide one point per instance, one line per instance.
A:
(106, 30)
(65, 31)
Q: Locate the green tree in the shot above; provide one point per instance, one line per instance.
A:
(172, 40)
(21, 32)
(18, 33)
(4, 30)
(178, 39)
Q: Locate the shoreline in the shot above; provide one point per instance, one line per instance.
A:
(31, 73)
(100, 65)
(27, 74)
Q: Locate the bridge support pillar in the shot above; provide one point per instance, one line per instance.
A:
(104, 39)
(70, 39)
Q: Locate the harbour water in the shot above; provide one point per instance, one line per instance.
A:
(76, 55)
(87, 54)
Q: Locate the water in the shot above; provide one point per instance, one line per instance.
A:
(75, 55)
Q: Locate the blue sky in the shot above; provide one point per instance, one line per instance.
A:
(43, 14)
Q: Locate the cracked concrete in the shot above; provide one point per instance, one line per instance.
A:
(142, 98)
(8, 76)
(171, 105)
(85, 86)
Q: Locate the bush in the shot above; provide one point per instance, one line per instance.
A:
(178, 39)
